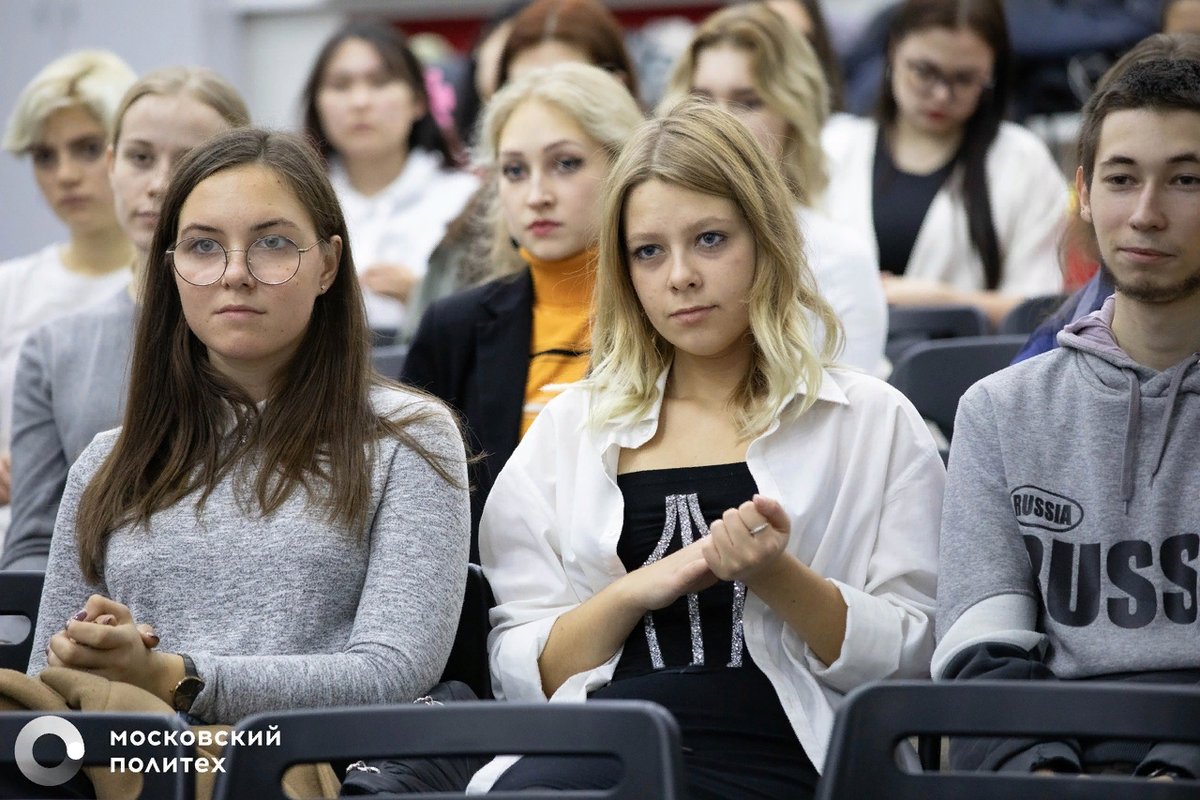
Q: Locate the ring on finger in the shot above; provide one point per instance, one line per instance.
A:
(759, 528)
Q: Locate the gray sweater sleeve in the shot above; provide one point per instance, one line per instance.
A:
(39, 460)
(65, 590)
(407, 614)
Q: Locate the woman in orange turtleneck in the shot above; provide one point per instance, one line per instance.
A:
(492, 350)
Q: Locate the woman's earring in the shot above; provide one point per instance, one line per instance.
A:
(322, 288)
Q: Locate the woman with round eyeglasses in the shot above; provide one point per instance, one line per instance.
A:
(258, 442)
(963, 207)
(71, 375)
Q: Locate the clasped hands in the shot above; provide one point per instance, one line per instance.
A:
(737, 548)
(103, 639)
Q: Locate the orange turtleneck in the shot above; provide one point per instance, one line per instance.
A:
(561, 340)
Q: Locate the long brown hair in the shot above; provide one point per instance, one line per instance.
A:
(986, 19)
(586, 25)
(186, 426)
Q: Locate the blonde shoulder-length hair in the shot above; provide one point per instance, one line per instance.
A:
(598, 103)
(787, 75)
(703, 149)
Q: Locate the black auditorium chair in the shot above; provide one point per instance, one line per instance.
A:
(20, 594)
(644, 736)
(909, 325)
(1030, 313)
(94, 729)
(935, 375)
(877, 718)
(468, 660)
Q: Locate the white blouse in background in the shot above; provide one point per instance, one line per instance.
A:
(1029, 197)
(35, 289)
(402, 223)
(861, 481)
(847, 273)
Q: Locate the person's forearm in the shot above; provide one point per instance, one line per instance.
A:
(995, 304)
(810, 605)
(588, 635)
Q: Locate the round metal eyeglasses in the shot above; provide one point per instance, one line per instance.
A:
(272, 260)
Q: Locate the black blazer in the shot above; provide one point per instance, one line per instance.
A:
(472, 350)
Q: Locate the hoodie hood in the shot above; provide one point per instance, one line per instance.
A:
(1092, 338)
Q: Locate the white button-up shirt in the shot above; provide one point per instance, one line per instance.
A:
(860, 478)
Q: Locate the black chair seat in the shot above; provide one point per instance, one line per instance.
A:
(643, 735)
(861, 763)
(20, 594)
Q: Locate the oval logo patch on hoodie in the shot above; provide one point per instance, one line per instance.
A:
(1040, 508)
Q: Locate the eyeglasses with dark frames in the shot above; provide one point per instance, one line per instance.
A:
(926, 76)
(273, 259)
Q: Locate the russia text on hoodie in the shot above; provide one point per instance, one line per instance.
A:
(1071, 526)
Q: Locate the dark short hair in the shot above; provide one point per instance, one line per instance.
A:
(1160, 85)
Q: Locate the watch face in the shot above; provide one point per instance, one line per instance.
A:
(186, 692)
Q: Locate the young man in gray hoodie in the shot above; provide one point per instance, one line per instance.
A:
(1069, 533)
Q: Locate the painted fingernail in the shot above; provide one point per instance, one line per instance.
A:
(80, 617)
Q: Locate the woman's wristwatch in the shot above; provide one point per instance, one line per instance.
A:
(188, 689)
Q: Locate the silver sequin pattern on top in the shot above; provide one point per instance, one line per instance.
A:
(682, 511)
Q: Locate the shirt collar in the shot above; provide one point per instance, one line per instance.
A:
(633, 433)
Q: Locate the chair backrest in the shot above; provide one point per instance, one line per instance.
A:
(20, 593)
(1029, 313)
(875, 718)
(95, 730)
(934, 375)
(389, 360)
(643, 735)
(468, 660)
(909, 325)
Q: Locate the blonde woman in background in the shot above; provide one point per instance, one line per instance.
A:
(72, 374)
(753, 64)
(548, 139)
(62, 121)
(716, 519)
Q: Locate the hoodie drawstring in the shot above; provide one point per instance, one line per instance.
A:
(1172, 393)
(1133, 424)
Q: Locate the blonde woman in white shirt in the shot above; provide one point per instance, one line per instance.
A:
(368, 112)
(962, 207)
(62, 121)
(716, 519)
(750, 61)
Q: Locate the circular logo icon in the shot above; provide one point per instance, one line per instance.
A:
(49, 726)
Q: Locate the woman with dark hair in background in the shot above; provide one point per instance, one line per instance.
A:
(367, 111)
(554, 31)
(963, 207)
(258, 442)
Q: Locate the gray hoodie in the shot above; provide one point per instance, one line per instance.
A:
(1073, 482)
(1070, 542)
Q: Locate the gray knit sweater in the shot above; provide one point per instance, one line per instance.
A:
(288, 611)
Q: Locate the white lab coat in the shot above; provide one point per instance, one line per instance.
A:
(860, 478)
(1029, 198)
